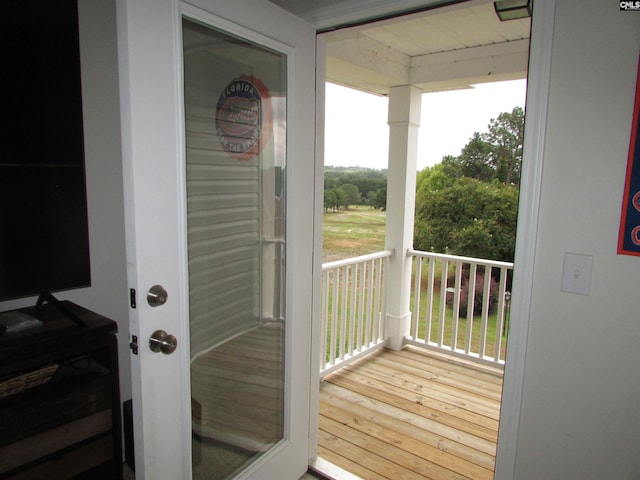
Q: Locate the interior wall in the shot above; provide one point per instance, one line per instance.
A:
(581, 390)
(108, 294)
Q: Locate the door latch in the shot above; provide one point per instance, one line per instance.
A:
(134, 344)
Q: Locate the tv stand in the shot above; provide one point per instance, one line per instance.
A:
(59, 396)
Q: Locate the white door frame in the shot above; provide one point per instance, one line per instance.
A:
(538, 80)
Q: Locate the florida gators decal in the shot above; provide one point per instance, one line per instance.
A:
(244, 117)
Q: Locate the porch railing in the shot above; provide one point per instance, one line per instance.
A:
(353, 303)
(460, 305)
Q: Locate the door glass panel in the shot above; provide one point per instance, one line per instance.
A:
(235, 100)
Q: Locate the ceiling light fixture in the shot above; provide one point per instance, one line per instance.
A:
(513, 9)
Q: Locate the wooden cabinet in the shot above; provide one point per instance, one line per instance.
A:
(59, 397)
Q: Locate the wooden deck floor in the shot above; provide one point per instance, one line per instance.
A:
(411, 415)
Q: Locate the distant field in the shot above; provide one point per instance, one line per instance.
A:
(357, 231)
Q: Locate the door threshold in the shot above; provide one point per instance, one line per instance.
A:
(329, 471)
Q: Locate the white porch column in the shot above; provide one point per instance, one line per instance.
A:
(404, 122)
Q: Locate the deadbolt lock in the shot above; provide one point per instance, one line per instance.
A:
(157, 296)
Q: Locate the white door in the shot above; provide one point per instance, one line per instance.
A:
(218, 137)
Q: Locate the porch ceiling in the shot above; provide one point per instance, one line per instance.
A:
(447, 48)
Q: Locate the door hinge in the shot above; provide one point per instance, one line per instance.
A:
(132, 297)
(134, 344)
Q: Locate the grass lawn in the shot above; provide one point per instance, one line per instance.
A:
(353, 232)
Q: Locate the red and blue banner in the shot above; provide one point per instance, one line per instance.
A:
(629, 236)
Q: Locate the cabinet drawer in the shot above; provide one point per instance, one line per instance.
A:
(73, 462)
(46, 407)
(29, 449)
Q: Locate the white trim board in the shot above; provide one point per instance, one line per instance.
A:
(528, 218)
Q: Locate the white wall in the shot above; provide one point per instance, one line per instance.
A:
(108, 294)
(579, 417)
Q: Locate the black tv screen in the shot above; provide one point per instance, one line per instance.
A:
(44, 243)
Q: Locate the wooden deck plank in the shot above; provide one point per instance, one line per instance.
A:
(468, 367)
(417, 420)
(445, 399)
(434, 373)
(391, 397)
(479, 385)
(389, 407)
(397, 420)
(388, 458)
(394, 436)
(345, 462)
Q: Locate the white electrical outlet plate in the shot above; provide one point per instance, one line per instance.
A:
(576, 273)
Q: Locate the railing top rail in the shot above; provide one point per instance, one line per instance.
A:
(455, 258)
(354, 260)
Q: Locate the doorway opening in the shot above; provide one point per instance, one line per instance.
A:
(435, 404)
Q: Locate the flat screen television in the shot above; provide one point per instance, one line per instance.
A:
(44, 242)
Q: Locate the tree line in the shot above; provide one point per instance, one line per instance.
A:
(465, 205)
(346, 186)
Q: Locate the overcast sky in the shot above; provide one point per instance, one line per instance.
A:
(356, 123)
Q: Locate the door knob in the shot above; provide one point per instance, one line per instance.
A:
(161, 341)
